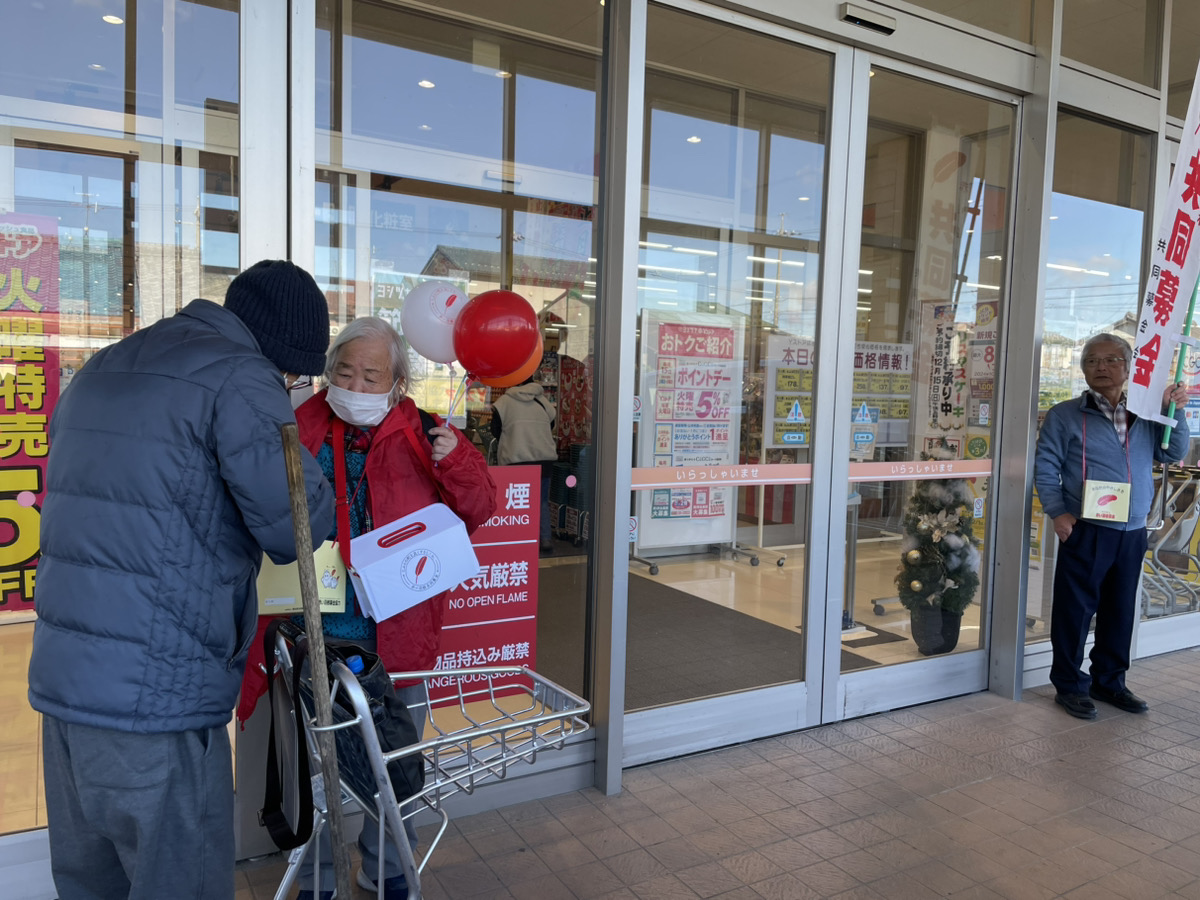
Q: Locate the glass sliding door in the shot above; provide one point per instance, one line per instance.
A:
(728, 294)
(931, 298)
(466, 156)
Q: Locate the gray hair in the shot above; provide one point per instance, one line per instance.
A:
(373, 327)
(1105, 337)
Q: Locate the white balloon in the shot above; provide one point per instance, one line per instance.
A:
(427, 319)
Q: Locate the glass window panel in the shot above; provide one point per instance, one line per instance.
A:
(1185, 54)
(467, 155)
(735, 163)
(931, 295)
(116, 230)
(1013, 18)
(1097, 229)
(1118, 36)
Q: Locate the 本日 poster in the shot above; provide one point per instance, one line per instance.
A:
(29, 387)
(882, 382)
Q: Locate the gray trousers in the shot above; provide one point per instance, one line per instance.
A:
(368, 840)
(139, 816)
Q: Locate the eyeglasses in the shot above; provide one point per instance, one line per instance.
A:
(1092, 361)
(301, 382)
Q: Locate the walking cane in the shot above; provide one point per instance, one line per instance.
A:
(316, 655)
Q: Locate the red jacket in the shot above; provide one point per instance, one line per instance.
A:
(398, 483)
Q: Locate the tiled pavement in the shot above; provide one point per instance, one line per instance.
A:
(975, 797)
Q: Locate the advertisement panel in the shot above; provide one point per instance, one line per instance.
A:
(29, 388)
(691, 416)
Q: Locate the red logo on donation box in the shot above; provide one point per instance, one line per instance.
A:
(491, 617)
(420, 569)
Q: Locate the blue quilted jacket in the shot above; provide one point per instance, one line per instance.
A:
(1058, 463)
(165, 483)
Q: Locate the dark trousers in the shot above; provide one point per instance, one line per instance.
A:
(1097, 574)
(139, 816)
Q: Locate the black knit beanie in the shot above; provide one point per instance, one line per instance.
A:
(286, 312)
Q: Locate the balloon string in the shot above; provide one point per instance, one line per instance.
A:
(458, 395)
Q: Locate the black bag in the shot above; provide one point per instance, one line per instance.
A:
(393, 725)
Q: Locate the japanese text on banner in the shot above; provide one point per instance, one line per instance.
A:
(1174, 267)
(29, 386)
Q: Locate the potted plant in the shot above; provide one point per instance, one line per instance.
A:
(939, 562)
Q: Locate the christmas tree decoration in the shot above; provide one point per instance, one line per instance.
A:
(939, 562)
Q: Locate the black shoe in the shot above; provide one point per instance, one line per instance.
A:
(1077, 705)
(1123, 699)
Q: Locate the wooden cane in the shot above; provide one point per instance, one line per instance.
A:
(316, 655)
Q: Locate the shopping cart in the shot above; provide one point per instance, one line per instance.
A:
(1170, 580)
(493, 718)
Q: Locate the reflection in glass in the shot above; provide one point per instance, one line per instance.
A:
(930, 299)
(1097, 221)
(467, 155)
(727, 302)
(1122, 38)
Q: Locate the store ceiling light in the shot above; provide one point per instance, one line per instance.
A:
(776, 262)
(113, 20)
(97, 67)
(425, 83)
(693, 139)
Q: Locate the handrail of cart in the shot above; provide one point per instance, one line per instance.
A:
(453, 757)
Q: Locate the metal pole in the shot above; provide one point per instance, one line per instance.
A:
(316, 654)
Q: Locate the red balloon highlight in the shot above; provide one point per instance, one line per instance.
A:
(495, 334)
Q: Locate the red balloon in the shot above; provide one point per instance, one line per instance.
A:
(519, 376)
(495, 334)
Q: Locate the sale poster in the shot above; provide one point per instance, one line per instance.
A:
(29, 388)
(691, 390)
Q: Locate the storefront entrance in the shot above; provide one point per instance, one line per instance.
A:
(821, 286)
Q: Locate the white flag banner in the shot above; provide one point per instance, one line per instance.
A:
(1174, 268)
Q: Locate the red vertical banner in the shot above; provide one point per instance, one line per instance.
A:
(491, 619)
(29, 384)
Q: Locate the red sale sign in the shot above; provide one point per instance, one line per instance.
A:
(28, 391)
(491, 618)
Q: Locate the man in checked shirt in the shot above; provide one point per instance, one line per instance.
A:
(1094, 476)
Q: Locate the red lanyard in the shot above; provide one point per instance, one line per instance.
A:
(1128, 470)
(339, 482)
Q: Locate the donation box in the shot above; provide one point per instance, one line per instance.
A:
(411, 559)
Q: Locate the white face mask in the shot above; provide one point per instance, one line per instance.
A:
(361, 410)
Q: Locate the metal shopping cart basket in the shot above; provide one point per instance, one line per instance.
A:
(493, 718)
